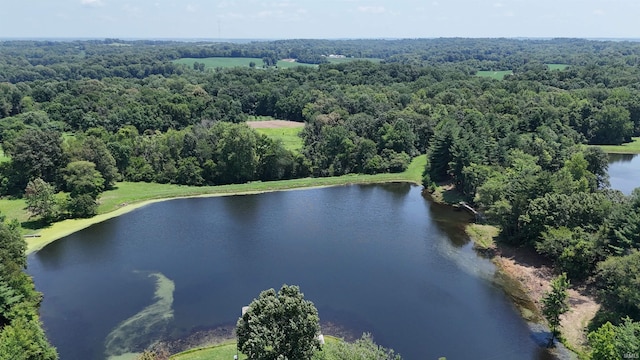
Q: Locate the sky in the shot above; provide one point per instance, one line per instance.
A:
(326, 19)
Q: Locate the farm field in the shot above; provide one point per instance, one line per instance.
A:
(286, 131)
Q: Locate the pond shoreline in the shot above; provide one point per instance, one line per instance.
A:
(67, 227)
(525, 276)
(509, 263)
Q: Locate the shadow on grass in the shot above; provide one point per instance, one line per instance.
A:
(452, 196)
(38, 224)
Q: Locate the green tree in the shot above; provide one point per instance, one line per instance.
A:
(280, 325)
(602, 343)
(612, 342)
(618, 279)
(24, 339)
(41, 201)
(555, 304)
(94, 149)
(37, 154)
(81, 177)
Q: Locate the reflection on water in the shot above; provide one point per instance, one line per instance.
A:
(375, 258)
(624, 172)
(623, 158)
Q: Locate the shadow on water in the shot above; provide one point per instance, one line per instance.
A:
(622, 158)
(250, 209)
(451, 221)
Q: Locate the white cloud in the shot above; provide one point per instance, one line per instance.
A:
(92, 2)
(372, 9)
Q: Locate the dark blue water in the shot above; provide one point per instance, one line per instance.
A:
(624, 172)
(375, 258)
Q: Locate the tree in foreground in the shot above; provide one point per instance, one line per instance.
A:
(280, 325)
(611, 342)
(555, 304)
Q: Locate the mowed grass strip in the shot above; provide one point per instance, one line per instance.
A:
(498, 75)
(128, 196)
(628, 148)
(290, 136)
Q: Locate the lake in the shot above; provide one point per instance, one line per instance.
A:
(624, 172)
(374, 258)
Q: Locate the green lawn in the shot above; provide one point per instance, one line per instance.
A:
(224, 351)
(227, 350)
(128, 196)
(628, 148)
(557, 66)
(289, 136)
(498, 75)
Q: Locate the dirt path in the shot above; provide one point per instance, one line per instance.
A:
(535, 275)
(273, 124)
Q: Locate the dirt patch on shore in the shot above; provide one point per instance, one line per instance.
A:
(274, 124)
(534, 275)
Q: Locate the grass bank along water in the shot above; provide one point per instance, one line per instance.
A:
(130, 196)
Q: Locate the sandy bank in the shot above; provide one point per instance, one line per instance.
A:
(534, 275)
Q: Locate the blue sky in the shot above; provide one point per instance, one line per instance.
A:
(281, 19)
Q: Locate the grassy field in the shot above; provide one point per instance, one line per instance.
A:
(628, 148)
(229, 62)
(289, 136)
(128, 196)
(227, 350)
(498, 75)
(557, 66)
(224, 351)
(483, 236)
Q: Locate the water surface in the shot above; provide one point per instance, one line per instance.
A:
(624, 172)
(375, 258)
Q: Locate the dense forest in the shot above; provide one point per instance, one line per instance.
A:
(78, 116)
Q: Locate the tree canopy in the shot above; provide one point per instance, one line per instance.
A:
(280, 325)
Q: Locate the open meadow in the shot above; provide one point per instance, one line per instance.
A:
(286, 131)
(627, 148)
